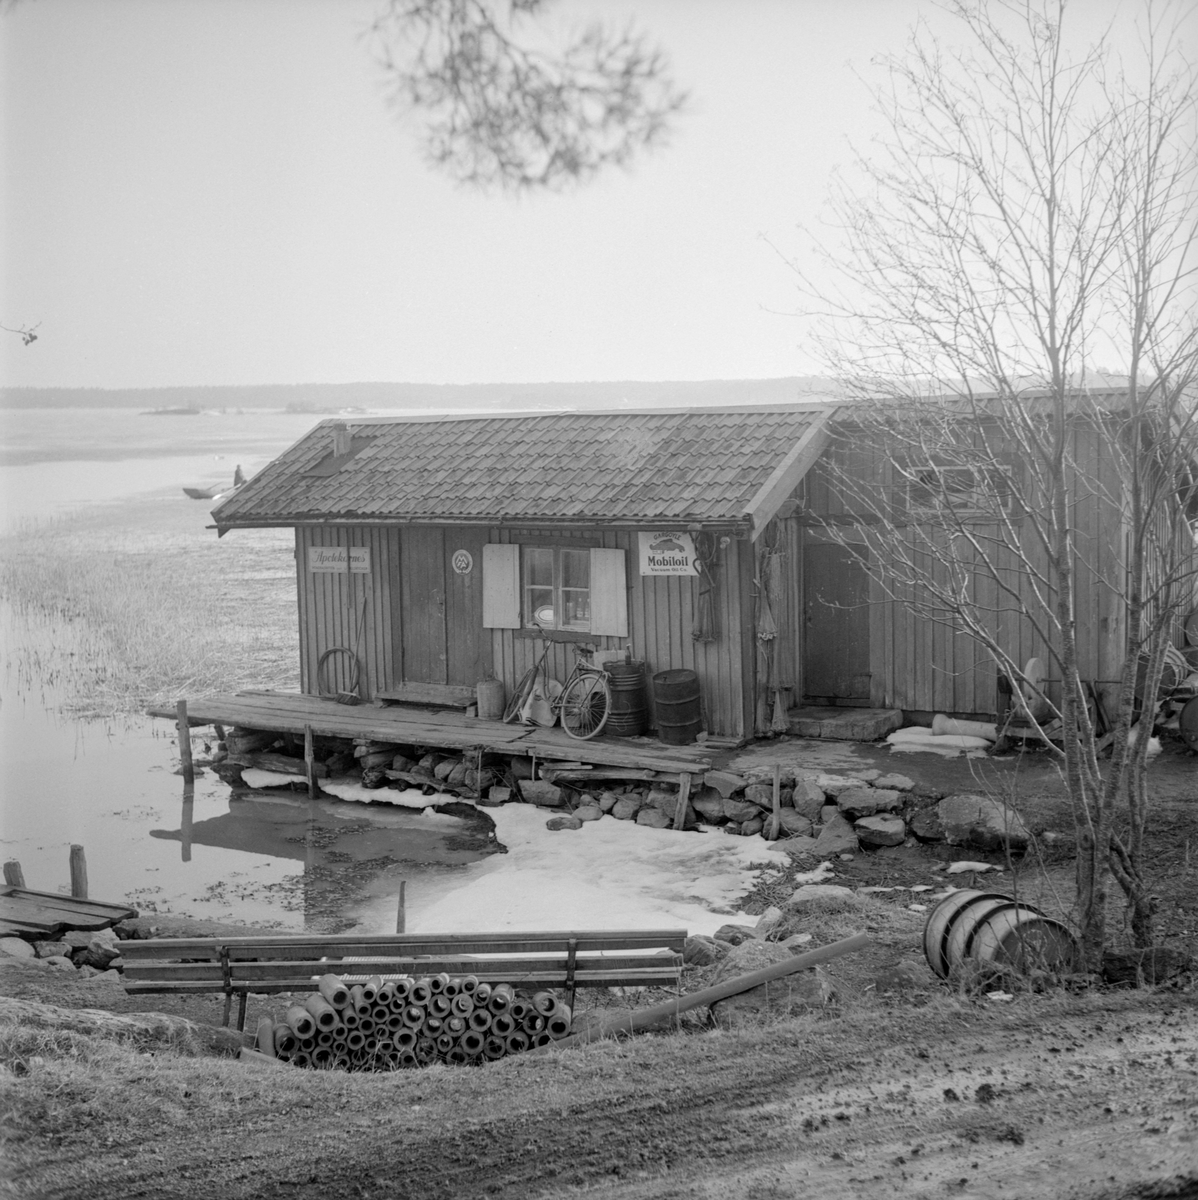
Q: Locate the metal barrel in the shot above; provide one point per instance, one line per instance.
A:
(628, 715)
(677, 702)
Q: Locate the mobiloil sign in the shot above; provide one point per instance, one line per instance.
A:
(667, 553)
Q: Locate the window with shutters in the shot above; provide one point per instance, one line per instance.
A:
(556, 588)
(570, 588)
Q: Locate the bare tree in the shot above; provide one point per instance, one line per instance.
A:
(506, 108)
(1029, 210)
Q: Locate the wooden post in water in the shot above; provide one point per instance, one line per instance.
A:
(13, 875)
(78, 873)
(310, 761)
(401, 916)
(189, 771)
(185, 822)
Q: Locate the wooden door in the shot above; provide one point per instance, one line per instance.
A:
(836, 633)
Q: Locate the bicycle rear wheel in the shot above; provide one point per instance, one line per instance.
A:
(585, 705)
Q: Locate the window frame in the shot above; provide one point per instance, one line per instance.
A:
(557, 587)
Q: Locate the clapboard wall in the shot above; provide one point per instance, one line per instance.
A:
(423, 619)
(921, 664)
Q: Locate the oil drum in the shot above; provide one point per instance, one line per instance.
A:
(679, 710)
(628, 714)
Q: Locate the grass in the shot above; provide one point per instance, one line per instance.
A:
(139, 604)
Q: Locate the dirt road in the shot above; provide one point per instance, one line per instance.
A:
(1080, 1107)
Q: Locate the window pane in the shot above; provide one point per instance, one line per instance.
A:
(539, 606)
(576, 568)
(538, 566)
(576, 608)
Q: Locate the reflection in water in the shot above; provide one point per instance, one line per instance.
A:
(348, 853)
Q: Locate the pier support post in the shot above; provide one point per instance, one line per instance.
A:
(13, 875)
(401, 916)
(189, 771)
(310, 761)
(78, 873)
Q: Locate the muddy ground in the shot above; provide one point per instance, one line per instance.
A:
(931, 1092)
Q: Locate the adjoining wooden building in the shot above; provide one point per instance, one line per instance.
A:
(442, 551)
(433, 553)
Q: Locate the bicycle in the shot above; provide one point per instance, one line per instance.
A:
(585, 702)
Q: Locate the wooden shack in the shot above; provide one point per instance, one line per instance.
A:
(434, 553)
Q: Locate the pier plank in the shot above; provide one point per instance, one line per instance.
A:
(291, 712)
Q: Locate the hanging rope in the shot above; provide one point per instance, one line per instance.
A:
(707, 551)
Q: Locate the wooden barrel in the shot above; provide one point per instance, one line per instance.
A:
(628, 714)
(491, 699)
(987, 927)
(679, 712)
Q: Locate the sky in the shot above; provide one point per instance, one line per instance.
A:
(216, 192)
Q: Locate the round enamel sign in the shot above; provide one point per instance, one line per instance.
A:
(463, 562)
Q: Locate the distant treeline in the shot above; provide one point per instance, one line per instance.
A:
(335, 397)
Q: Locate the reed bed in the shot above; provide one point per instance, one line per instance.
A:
(124, 607)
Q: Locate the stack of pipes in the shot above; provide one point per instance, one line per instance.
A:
(386, 1024)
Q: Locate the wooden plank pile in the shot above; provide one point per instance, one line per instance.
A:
(402, 1022)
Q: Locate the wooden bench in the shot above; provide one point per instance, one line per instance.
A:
(437, 695)
(275, 963)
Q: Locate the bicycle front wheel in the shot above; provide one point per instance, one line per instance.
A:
(585, 705)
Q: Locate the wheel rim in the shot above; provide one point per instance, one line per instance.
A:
(585, 705)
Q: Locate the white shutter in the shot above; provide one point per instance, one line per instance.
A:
(609, 594)
(501, 586)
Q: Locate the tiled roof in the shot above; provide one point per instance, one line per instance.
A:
(635, 467)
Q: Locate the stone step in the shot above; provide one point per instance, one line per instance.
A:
(845, 724)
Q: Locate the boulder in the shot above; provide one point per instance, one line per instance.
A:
(626, 808)
(868, 775)
(15, 947)
(701, 951)
(588, 812)
(60, 962)
(459, 776)
(445, 768)
(546, 795)
(925, 824)
(708, 803)
(826, 814)
(816, 891)
(769, 920)
(733, 935)
(902, 976)
(836, 837)
(724, 782)
(883, 830)
(799, 992)
(833, 785)
(794, 823)
(98, 953)
(799, 844)
(563, 823)
(866, 801)
(900, 783)
(753, 826)
(976, 820)
(51, 949)
(761, 794)
(608, 801)
(521, 767)
(658, 797)
(654, 818)
(740, 810)
(496, 796)
(808, 798)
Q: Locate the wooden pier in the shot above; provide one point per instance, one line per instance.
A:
(293, 713)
